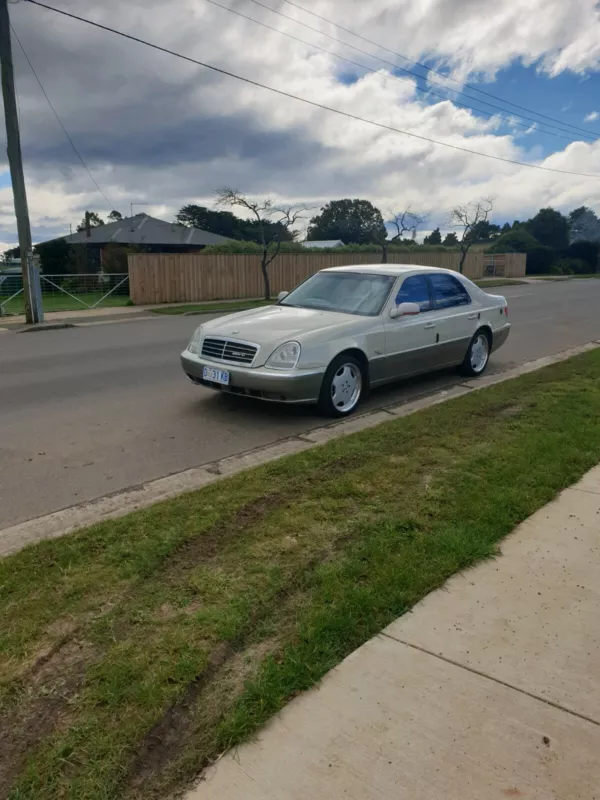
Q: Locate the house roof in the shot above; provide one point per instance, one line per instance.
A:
(324, 243)
(143, 229)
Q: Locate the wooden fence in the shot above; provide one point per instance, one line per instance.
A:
(183, 278)
(505, 265)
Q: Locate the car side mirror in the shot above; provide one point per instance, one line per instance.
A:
(281, 296)
(405, 310)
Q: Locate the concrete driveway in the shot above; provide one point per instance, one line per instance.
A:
(89, 411)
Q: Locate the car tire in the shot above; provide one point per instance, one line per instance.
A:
(344, 386)
(478, 354)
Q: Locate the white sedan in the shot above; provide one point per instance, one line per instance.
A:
(346, 330)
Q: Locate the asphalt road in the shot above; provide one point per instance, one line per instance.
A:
(89, 411)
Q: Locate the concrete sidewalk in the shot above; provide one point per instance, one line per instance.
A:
(489, 689)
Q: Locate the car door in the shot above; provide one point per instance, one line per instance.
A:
(410, 341)
(456, 318)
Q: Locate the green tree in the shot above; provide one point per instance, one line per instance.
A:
(115, 216)
(517, 240)
(269, 222)
(483, 231)
(550, 228)
(223, 223)
(352, 221)
(252, 231)
(91, 218)
(584, 225)
(451, 240)
(435, 237)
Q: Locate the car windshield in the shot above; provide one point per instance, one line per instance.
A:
(346, 292)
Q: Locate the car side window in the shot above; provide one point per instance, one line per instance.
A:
(415, 290)
(448, 291)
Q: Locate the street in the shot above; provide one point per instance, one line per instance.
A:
(89, 411)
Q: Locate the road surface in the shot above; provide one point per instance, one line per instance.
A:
(89, 411)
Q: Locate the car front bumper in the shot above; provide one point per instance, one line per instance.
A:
(278, 386)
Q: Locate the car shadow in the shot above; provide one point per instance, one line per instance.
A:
(221, 406)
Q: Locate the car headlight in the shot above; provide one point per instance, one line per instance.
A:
(195, 341)
(285, 356)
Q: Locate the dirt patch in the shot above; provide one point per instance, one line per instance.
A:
(333, 469)
(510, 411)
(168, 611)
(168, 735)
(204, 547)
(205, 701)
(42, 706)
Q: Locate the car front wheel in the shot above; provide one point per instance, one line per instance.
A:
(478, 355)
(343, 387)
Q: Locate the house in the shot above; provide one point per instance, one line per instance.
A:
(148, 233)
(324, 243)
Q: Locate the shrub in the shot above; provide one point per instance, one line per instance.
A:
(585, 251)
(514, 241)
(572, 266)
(540, 260)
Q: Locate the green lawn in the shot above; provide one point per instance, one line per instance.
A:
(564, 277)
(134, 652)
(209, 308)
(64, 302)
(499, 282)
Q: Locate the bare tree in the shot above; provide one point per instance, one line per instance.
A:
(404, 222)
(466, 218)
(271, 222)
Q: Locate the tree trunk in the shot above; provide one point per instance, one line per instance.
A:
(463, 255)
(384, 253)
(265, 274)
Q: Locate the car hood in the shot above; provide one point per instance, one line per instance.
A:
(271, 326)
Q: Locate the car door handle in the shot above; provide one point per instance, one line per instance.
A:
(429, 325)
(473, 316)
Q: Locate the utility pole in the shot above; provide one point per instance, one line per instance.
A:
(31, 279)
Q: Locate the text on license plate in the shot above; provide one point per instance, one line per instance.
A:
(216, 375)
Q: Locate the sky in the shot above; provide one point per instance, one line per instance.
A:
(157, 130)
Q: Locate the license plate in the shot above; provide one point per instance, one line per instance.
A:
(216, 375)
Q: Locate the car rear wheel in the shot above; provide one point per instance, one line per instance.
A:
(344, 386)
(478, 354)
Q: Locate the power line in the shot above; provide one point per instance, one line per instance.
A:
(407, 71)
(77, 153)
(430, 69)
(394, 77)
(312, 103)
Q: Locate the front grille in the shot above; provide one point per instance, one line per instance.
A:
(231, 351)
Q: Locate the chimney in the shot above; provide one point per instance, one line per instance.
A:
(88, 229)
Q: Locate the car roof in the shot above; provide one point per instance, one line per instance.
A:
(394, 270)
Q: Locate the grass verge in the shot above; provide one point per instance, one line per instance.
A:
(210, 308)
(499, 282)
(63, 302)
(134, 652)
(564, 277)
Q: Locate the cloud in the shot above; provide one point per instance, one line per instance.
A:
(592, 116)
(155, 129)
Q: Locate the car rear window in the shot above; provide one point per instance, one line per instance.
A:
(448, 291)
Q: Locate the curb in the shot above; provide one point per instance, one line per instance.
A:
(60, 523)
(44, 326)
